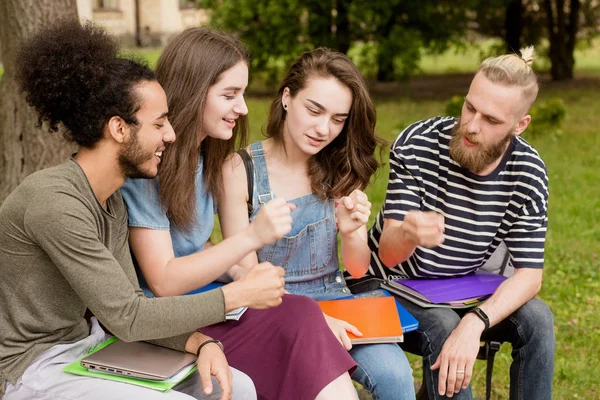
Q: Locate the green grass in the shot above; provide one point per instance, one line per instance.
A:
(150, 54)
(467, 59)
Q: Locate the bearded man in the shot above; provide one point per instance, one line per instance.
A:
(457, 189)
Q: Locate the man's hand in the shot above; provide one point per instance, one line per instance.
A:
(458, 356)
(352, 212)
(261, 287)
(212, 362)
(340, 329)
(272, 222)
(424, 228)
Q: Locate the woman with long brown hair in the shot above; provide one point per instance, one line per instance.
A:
(287, 350)
(320, 136)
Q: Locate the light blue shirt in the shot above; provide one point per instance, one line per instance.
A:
(144, 210)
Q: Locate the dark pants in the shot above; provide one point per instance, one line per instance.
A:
(530, 330)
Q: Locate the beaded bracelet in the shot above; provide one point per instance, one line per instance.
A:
(207, 342)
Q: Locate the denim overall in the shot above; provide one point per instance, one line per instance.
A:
(308, 254)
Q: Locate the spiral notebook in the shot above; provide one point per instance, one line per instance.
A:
(455, 292)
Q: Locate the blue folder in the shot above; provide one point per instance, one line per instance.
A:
(210, 286)
(408, 322)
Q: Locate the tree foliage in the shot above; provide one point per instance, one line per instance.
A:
(278, 30)
(554, 26)
(275, 31)
(392, 35)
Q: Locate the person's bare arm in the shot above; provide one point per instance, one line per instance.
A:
(168, 275)
(352, 214)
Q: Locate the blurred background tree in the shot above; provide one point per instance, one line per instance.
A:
(396, 32)
(24, 148)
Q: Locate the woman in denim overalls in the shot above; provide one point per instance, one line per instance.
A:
(321, 140)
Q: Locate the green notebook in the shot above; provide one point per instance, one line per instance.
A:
(162, 386)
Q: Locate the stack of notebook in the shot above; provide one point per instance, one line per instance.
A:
(456, 292)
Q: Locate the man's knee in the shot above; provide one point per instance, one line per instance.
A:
(536, 324)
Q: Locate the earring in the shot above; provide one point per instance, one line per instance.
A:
(285, 106)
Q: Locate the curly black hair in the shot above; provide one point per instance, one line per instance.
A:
(72, 75)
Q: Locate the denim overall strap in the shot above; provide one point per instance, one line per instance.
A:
(262, 189)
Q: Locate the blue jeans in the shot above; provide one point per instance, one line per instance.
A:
(530, 330)
(383, 370)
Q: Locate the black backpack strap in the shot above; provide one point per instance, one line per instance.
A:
(249, 165)
(492, 348)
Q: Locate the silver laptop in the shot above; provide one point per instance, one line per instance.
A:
(138, 360)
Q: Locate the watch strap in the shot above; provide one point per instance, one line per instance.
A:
(217, 342)
(482, 316)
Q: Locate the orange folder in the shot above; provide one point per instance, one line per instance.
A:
(377, 318)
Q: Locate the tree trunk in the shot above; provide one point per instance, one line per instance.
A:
(342, 22)
(23, 147)
(320, 22)
(385, 56)
(562, 24)
(513, 25)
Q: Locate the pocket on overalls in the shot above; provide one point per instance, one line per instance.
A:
(304, 254)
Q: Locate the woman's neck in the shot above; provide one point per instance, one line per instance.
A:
(286, 153)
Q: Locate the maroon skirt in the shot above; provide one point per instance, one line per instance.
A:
(288, 351)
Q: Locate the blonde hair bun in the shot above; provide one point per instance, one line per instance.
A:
(528, 54)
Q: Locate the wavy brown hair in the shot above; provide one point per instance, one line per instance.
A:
(348, 162)
(190, 64)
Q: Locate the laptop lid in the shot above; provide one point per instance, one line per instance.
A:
(139, 360)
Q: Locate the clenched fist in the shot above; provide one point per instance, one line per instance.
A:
(424, 228)
(261, 287)
(273, 221)
(352, 212)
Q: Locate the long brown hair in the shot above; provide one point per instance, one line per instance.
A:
(190, 64)
(348, 162)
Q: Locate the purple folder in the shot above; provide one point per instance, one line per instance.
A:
(447, 290)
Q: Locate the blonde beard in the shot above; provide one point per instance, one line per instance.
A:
(480, 157)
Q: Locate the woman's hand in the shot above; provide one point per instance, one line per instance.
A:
(272, 222)
(352, 212)
(340, 329)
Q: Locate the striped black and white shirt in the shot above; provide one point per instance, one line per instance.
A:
(480, 212)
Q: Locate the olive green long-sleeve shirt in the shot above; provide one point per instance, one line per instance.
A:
(60, 253)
